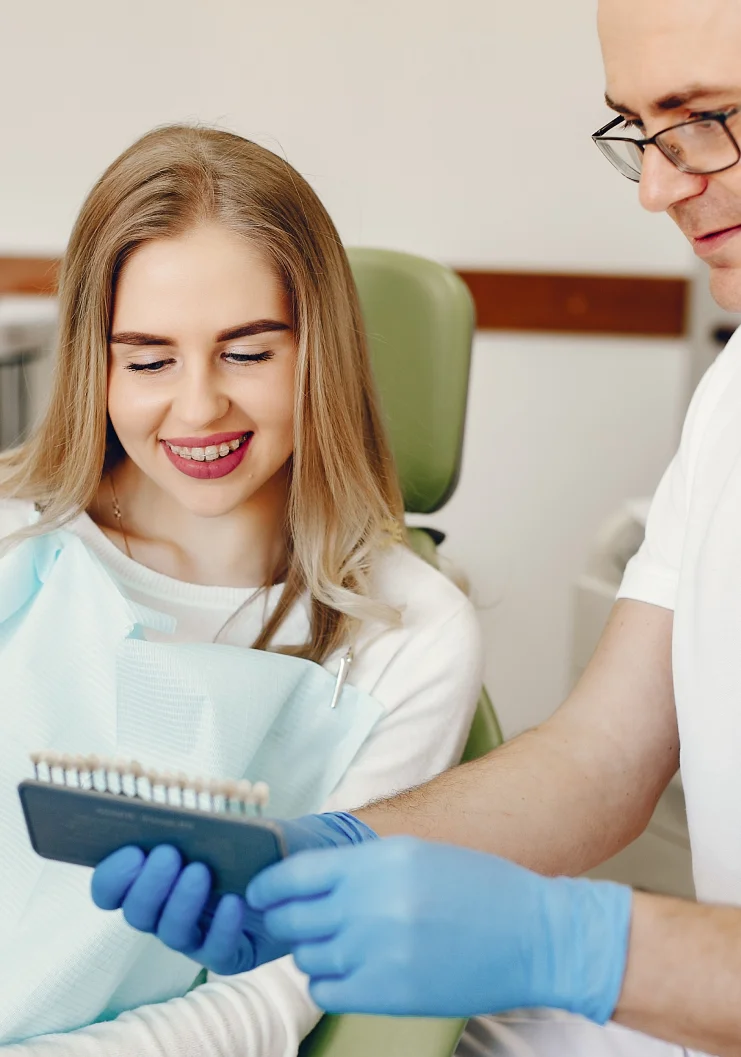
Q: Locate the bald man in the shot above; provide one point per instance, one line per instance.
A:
(408, 926)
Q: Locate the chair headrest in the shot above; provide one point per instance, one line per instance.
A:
(419, 317)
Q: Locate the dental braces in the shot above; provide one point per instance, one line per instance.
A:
(128, 778)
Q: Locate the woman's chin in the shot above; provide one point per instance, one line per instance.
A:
(212, 498)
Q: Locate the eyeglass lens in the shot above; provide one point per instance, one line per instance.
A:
(700, 146)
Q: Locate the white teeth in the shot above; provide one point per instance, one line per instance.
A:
(210, 452)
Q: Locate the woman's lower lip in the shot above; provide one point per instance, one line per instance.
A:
(208, 471)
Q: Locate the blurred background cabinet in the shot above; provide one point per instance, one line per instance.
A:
(27, 331)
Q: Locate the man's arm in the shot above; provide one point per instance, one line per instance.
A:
(558, 800)
(574, 791)
(683, 977)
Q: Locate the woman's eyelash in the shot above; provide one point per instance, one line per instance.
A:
(234, 357)
(147, 366)
(249, 357)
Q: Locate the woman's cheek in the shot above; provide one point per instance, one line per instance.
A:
(134, 413)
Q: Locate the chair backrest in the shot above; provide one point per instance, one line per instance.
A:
(420, 320)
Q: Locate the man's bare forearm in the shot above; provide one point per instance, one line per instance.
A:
(571, 793)
(534, 801)
(683, 980)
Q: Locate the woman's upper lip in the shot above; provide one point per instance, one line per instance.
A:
(204, 442)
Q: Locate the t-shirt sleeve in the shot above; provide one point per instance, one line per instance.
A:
(652, 575)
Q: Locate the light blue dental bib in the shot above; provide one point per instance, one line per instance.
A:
(78, 676)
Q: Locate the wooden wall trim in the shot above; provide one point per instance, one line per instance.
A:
(28, 275)
(523, 301)
(580, 304)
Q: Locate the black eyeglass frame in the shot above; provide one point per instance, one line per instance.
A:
(720, 116)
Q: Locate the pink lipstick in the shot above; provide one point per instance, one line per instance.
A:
(207, 458)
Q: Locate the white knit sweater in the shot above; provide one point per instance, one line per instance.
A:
(426, 675)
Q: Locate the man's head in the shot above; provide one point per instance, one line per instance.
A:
(665, 62)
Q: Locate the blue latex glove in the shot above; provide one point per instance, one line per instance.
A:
(159, 896)
(405, 927)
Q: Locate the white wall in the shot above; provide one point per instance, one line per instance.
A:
(561, 431)
(453, 128)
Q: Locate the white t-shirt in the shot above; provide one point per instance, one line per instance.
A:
(691, 562)
(426, 674)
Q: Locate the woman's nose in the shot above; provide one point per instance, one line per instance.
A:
(199, 400)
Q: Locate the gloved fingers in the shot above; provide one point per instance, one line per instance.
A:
(335, 996)
(114, 876)
(329, 958)
(302, 876)
(304, 920)
(178, 923)
(148, 894)
(227, 949)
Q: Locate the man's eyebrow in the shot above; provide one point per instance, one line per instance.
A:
(244, 330)
(677, 100)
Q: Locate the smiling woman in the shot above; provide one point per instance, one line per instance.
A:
(201, 241)
(203, 533)
(205, 413)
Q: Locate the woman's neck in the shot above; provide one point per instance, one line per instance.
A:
(244, 548)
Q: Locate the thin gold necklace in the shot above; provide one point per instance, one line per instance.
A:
(346, 660)
(119, 521)
(118, 516)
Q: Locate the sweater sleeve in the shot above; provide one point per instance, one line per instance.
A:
(264, 1013)
(429, 691)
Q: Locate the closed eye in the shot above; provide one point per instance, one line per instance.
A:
(156, 365)
(231, 357)
(248, 357)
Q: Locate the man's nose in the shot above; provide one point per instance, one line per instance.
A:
(663, 185)
(199, 400)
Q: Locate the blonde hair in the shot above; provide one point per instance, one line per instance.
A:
(344, 491)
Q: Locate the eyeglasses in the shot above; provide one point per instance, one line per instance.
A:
(703, 145)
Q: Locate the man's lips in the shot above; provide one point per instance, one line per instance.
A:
(712, 240)
(204, 442)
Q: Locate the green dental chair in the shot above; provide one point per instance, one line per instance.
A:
(420, 321)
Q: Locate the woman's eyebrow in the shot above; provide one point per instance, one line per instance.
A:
(244, 330)
(136, 337)
(247, 330)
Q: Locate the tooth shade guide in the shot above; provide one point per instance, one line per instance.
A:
(127, 778)
(36, 760)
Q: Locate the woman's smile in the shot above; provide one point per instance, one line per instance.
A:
(206, 458)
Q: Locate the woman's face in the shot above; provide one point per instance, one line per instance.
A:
(202, 368)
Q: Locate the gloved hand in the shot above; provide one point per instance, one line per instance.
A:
(405, 927)
(159, 896)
